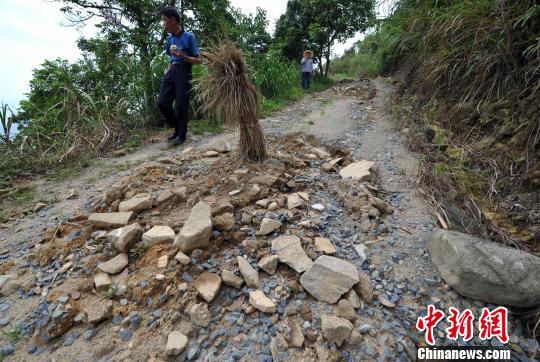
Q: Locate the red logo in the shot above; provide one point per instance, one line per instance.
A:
(460, 324)
(429, 322)
(494, 324)
(491, 324)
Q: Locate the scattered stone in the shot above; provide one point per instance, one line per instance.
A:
(360, 250)
(138, 202)
(336, 330)
(222, 206)
(269, 263)
(303, 195)
(268, 226)
(355, 338)
(353, 298)
(483, 270)
(110, 219)
(97, 309)
(123, 238)
(182, 258)
(364, 287)
(211, 154)
(324, 245)
(158, 234)
(71, 339)
(263, 203)
(360, 170)
(200, 315)
(224, 222)
(115, 265)
(89, 334)
(180, 192)
(220, 146)
(346, 310)
(38, 206)
(250, 275)
(329, 278)
(290, 252)
(318, 207)
(261, 302)
(102, 281)
(164, 197)
(197, 230)
(61, 321)
(176, 343)
(273, 206)
(230, 279)
(208, 285)
(294, 201)
(65, 267)
(163, 261)
(321, 153)
(297, 335)
(382, 299)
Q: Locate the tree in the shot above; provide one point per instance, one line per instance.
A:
(319, 24)
(249, 31)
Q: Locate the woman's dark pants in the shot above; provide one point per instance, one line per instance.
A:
(306, 80)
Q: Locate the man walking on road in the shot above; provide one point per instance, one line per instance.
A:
(183, 52)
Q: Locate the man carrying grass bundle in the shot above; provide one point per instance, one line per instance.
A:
(183, 52)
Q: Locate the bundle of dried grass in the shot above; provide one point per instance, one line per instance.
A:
(228, 92)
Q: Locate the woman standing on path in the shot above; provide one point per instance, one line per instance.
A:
(307, 69)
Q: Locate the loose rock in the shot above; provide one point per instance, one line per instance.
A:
(115, 265)
(290, 252)
(336, 330)
(269, 263)
(230, 279)
(261, 302)
(158, 234)
(197, 230)
(111, 219)
(176, 343)
(268, 226)
(250, 275)
(208, 285)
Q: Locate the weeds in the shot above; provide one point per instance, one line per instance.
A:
(111, 292)
(14, 333)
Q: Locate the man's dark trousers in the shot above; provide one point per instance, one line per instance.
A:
(176, 87)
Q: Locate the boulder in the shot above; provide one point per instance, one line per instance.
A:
(197, 230)
(250, 275)
(158, 234)
(324, 245)
(115, 265)
(224, 222)
(360, 170)
(123, 238)
(329, 278)
(176, 343)
(335, 329)
(138, 202)
(484, 270)
(262, 302)
(268, 226)
(290, 252)
(231, 279)
(269, 263)
(110, 219)
(294, 201)
(208, 285)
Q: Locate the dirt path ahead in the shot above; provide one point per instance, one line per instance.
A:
(149, 301)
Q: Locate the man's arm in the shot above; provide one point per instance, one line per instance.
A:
(192, 60)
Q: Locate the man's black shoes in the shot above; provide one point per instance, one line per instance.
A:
(172, 137)
(178, 141)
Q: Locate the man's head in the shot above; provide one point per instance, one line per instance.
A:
(170, 18)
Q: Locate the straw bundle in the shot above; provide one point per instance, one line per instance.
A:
(228, 92)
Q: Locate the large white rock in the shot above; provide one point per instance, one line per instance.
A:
(176, 343)
(197, 230)
(250, 275)
(484, 270)
(208, 285)
(329, 278)
(158, 234)
(138, 202)
(115, 265)
(261, 302)
(110, 219)
(290, 252)
(123, 238)
(360, 170)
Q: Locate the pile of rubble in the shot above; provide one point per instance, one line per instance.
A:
(194, 237)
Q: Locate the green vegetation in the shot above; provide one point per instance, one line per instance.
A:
(13, 333)
(106, 100)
